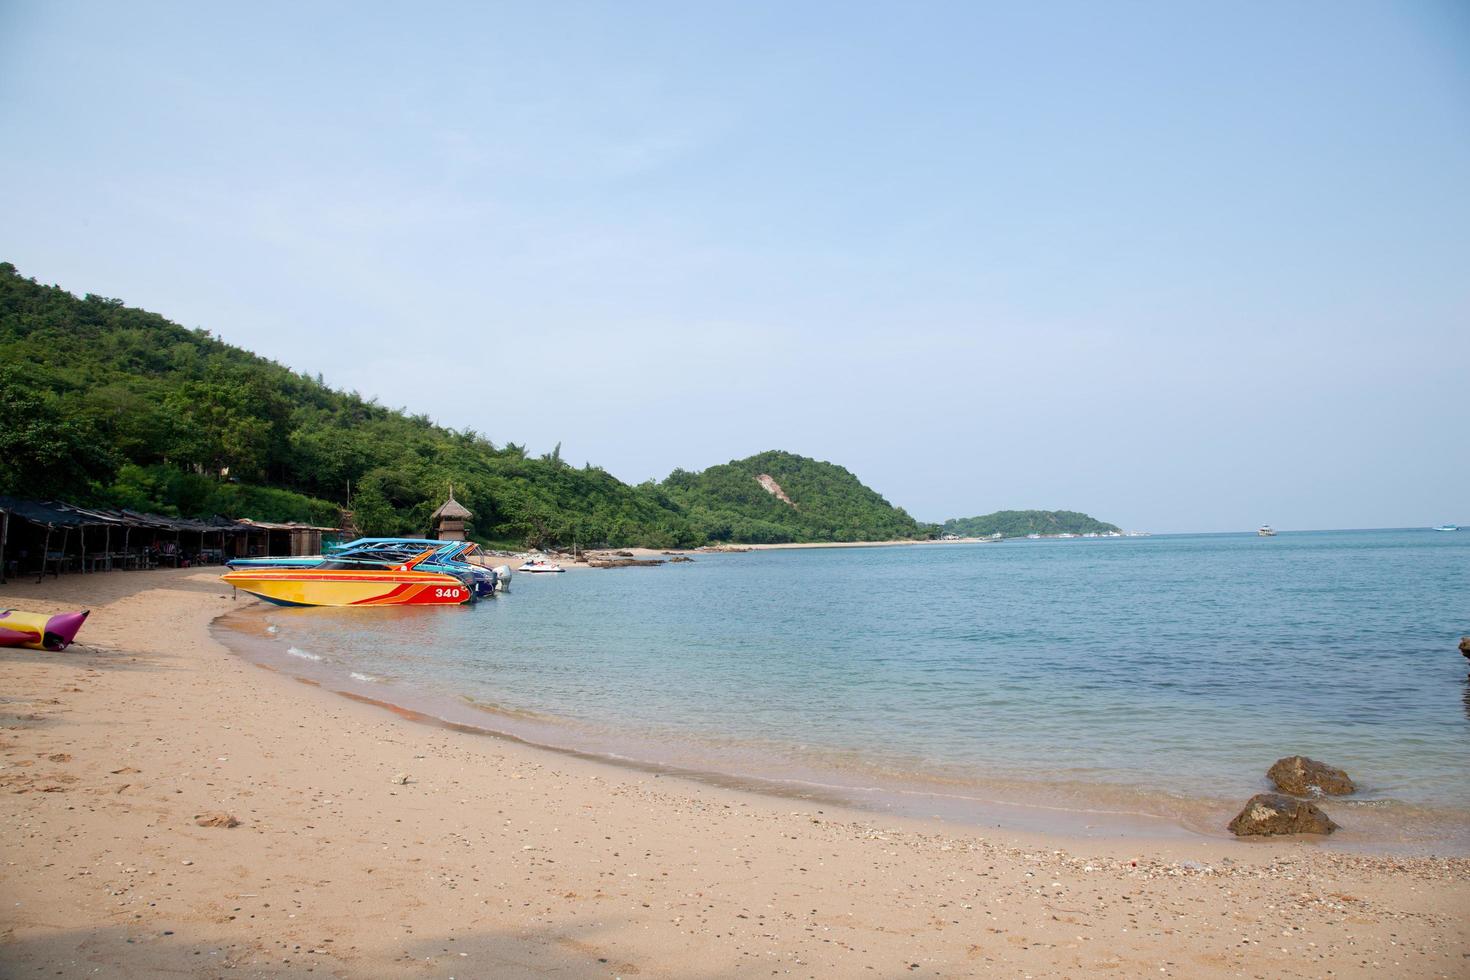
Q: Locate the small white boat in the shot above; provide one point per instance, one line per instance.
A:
(1447, 527)
(540, 566)
(1266, 531)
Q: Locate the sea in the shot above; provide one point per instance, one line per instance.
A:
(1101, 687)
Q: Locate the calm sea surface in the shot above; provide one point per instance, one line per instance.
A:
(1128, 671)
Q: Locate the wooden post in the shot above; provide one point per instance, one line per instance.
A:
(82, 537)
(4, 533)
(45, 551)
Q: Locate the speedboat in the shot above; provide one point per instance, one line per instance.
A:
(1266, 531)
(540, 566)
(1447, 527)
(354, 583)
(457, 558)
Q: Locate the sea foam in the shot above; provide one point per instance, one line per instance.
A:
(303, 654)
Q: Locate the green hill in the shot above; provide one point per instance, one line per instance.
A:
(1019, 523)
(106, 404)
(780, 497)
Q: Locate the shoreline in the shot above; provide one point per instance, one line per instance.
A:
(498, 858)
(1078, 811)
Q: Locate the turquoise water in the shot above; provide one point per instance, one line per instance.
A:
(1171, 666)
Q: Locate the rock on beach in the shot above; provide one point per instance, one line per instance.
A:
(1300, 776)
(217, 818)
(1270, 814)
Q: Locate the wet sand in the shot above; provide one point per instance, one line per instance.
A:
(372, 845)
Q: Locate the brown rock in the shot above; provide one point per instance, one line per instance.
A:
(216, 819)
(60, 757)
(1465, 645)
(679, 558)
(1269, 814)
(1300, 776)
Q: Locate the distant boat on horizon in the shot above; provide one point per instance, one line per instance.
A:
(1266, 531)
(1447, 527)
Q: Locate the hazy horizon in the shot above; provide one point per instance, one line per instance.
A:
(1180, 267)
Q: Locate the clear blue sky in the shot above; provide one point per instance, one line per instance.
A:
(1182, 266)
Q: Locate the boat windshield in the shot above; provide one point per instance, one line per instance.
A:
(356, 565)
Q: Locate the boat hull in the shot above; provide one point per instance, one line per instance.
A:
(306, 587)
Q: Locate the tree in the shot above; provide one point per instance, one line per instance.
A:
(43, 454)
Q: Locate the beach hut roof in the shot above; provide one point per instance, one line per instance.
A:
(453, 509)
(41, 513)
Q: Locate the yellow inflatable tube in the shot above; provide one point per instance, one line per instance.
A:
(37, 631)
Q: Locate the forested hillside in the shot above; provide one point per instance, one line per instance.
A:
(106, 404)
(1019, 523)
(823, 502)
(113, 405)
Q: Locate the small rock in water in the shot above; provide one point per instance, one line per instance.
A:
(1300, 776)
(216, 819)
(1269, 814)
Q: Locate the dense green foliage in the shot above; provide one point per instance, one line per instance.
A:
(102, 403)
(827, 503)
(107, 404)
(1019, 523)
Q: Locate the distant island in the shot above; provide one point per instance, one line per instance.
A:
(1020, 523)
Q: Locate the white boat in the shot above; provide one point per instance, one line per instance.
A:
(1266, 531)
(540, 566)
(1447, 527)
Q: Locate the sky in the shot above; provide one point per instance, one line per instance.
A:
(1181, 266)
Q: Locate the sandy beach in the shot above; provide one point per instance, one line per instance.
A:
(370, 844)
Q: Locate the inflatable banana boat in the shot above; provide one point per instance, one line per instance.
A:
(38, 631)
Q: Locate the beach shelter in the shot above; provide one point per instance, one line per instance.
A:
(45, 520)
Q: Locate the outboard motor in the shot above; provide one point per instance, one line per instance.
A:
(502, 578)
(483, 581)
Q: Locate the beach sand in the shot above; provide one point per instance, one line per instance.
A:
(496, 859)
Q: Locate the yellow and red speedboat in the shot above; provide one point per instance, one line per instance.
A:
(352, 583)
